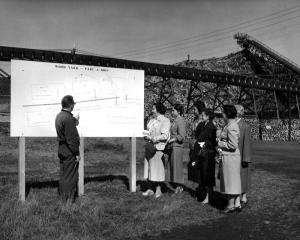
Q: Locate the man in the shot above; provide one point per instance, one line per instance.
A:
(245, 150)
(68, 149)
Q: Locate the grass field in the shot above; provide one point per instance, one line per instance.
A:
(109, 211)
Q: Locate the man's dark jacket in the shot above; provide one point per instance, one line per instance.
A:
(67, 134)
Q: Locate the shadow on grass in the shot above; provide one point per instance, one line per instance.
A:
(218, 200)
(55, 183)
(125, 180)
(36, 184)
(106, 178)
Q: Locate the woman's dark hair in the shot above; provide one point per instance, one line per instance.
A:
(160, 108)
(179, 108)
(210, 113)
(230, 111)
(200, 106)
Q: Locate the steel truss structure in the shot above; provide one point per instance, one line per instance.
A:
(268, 64)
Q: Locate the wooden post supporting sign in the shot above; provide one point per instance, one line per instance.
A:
(22, 168)
(132, 183)
(81, 168)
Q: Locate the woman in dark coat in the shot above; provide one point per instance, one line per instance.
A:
(204, 153)
(197, 109)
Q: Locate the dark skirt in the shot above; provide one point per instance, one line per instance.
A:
(207, 169)
(193, 172)
(68, 180)
(203, 171)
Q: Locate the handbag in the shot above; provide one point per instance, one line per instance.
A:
(150, 150)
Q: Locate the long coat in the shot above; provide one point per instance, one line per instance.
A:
(175, 162)
(245, 150)
(206, 132)
(230, 179)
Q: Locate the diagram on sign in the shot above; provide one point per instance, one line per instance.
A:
(110, 101)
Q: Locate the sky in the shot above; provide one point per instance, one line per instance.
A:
(157, 31)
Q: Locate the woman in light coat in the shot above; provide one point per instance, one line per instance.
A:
(230, 179)
(154, 170)
(245, 150)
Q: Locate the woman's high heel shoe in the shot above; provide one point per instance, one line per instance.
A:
(228, 210)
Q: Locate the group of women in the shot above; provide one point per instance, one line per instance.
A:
(166, 138)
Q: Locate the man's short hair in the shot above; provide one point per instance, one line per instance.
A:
(240, 110)
(67, 101)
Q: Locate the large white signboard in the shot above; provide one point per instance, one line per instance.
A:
(110, 101)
